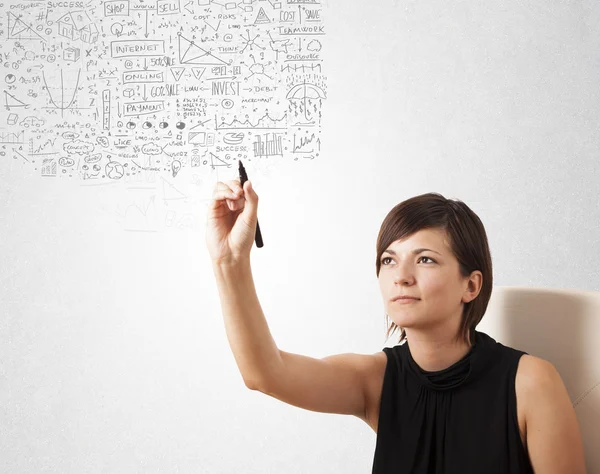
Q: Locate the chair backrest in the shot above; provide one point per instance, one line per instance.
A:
(563, 327)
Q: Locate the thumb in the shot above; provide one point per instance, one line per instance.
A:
(250, 208)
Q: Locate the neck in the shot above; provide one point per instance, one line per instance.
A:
(433, 352)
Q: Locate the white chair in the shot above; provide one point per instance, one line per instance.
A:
(563, 327)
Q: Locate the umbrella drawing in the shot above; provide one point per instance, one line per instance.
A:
(305, 91)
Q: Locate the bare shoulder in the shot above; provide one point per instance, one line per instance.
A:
(532, 373)
(374, 387)
(554, 440)
(532, 370)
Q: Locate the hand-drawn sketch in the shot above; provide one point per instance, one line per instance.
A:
(18, 30)
(160, 95)
(78, 25)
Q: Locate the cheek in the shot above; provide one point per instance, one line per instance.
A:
(436, 290)
(444, 295)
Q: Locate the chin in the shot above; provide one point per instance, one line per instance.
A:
(404, 322)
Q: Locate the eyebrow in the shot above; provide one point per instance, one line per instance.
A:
(414, 252)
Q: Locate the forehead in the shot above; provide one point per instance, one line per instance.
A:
(429, 238)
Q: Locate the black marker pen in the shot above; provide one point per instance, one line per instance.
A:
(243, 179)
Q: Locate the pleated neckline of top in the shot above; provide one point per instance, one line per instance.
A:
(452, 376)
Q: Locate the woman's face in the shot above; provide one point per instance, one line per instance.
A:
(432, 275)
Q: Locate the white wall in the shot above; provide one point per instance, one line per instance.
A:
(113, 352)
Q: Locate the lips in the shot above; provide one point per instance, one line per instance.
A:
(405, 298)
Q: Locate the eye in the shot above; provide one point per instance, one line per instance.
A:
(423, 256)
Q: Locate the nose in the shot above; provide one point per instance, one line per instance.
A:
(403, 278)
(402, 281)
(403, 275)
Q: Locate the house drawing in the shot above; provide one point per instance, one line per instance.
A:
(78, 25)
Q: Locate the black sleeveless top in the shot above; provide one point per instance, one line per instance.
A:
(459, 420)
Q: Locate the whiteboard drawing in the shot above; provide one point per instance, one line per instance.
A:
(62, 103)
(11, 101)
(19, 30)
(160, 94)
(78, 25)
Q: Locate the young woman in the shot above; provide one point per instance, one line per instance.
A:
(447, 398)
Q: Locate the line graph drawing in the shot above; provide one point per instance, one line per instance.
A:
(306, 145)
(40, 150)
(264, 123)
(62, 107)
(11, 138)
(140, 215)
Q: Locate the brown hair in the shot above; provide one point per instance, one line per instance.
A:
(466, 238)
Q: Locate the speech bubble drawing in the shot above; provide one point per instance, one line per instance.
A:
(78, 146)
(70, 135)
(102, 141)
(151, 149)
(64, 161)
(93, 158)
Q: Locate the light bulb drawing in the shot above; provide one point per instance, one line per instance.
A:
(175, 167)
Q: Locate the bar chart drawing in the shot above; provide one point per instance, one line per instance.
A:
(265, 147)
(49, 167)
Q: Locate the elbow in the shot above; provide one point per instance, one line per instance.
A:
(251, 384)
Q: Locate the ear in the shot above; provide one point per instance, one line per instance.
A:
(473, 286)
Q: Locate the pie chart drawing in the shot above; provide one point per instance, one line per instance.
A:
(114, 170)
(233, 138)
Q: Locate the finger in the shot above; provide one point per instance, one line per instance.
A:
(236, 186)
(223, 191)
(231, 185)
(232, 204)
(251, 203)
(236, 205)
(222, 194)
